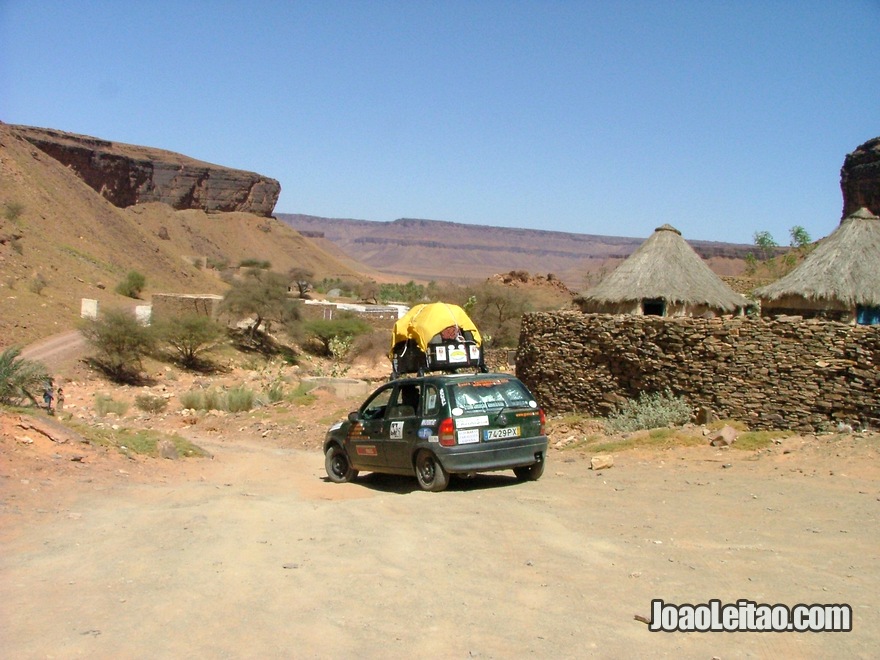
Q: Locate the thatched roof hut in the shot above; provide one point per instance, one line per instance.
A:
(663, 277)
(839, 280)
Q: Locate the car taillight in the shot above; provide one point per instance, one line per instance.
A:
(543, 418)
(447, 432)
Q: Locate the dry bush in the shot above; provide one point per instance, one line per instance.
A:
(372, 346)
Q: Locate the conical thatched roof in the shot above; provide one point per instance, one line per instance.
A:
(844, 267)
(666, 267)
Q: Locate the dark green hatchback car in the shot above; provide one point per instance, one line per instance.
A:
(434, 426)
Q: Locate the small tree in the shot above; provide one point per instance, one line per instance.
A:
(302, 280)
(335, 335)
(799, 237)
(13, 211)
(37, 284)
(120, 342)
(132, 285)
(765, 241)
(20, 378)
(497, 311)
(189, 336)
(261, 294)
(369, 291)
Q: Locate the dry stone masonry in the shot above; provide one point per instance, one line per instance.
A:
(782, 373)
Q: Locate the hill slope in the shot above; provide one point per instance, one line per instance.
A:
(55, 229)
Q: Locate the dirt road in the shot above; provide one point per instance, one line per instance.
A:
(254, 554)
(57, 351)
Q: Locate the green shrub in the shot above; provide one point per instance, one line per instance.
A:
(121, 343)
(239, 399)
(151, 404)
(192, 400)
(107, 404)
(262, 264)
(650, 411)
(335, 336)
(189, 337)
(275, 392)
(217, 263)
(20, 379)
(132, 285)
(13, 211)
(37, 284)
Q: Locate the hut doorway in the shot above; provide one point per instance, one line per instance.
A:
(867, 315)
(654, 307)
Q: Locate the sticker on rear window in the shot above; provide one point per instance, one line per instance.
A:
(470, 422)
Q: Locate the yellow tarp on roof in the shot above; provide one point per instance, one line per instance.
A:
(424, 321)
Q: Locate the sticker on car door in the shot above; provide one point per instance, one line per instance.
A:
(396, 432)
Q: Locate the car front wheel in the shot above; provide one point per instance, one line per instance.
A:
(531, 472)
(337, 465)
(430, 472)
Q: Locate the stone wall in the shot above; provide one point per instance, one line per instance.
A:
(803, 375)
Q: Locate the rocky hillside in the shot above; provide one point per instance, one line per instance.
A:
(126, 174)
(860, 178)
(437, 250)
(61, 241)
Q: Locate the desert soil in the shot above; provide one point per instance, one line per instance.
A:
(253, 553)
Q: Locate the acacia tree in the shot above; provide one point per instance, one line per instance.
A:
(120, 343)
(262, 295)
(330, 331)
(368, 291)
(189, 336)
(499, 309)
(302, 279)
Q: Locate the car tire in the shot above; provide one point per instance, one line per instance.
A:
(431, 474)
(338, 466)
(531, 472)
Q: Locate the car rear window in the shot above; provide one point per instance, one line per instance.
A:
(483, 395)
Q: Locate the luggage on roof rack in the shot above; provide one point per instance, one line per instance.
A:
(435, 337)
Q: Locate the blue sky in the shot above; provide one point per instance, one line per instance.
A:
(721, 118)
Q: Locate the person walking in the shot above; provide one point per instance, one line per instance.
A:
(48, 396)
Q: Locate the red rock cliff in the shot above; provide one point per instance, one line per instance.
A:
(127, 174)
(860, 178)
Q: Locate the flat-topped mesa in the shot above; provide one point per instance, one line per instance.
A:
(860, 179)
(126, 174)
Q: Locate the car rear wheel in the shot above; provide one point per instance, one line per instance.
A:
(430, 472)
(338, 466)
(531, 472)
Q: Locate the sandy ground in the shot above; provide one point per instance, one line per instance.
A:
(254, 554)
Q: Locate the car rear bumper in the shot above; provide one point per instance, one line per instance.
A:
(497, 455)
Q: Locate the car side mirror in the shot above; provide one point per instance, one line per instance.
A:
(353, 416)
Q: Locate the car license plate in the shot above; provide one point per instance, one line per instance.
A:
(501, 434)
